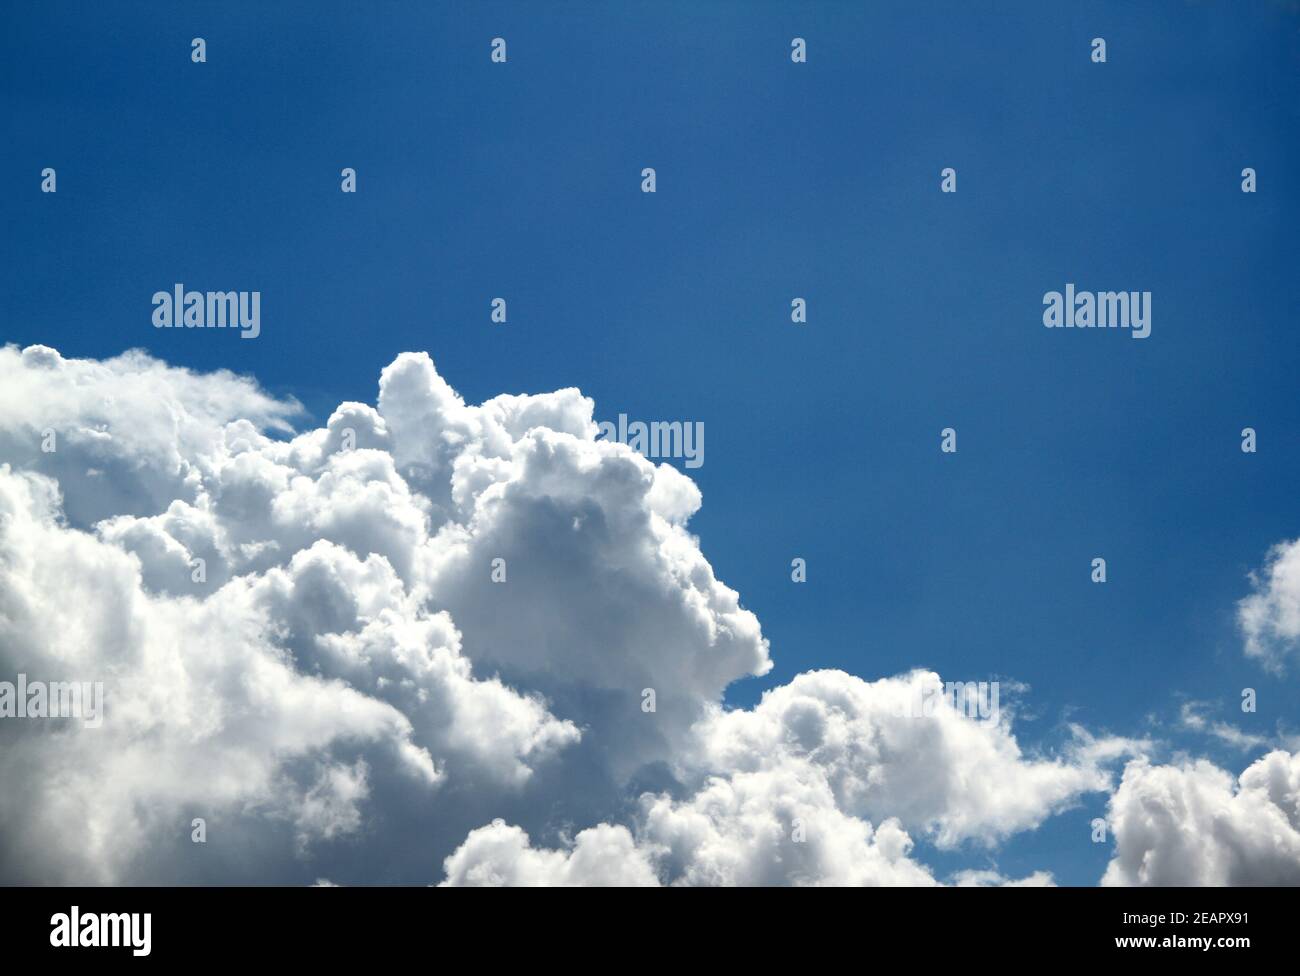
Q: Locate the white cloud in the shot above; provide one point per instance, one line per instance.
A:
(1270, 617)
(955, 778)
(499, 854)
(1193, 824)
(821, 781)
(132, 433)
(774, 828)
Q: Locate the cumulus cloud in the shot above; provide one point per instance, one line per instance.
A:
(415, 643)
(500, 854)
(1193, 823)
(943, 773)
(1270, 616)
(821, 784)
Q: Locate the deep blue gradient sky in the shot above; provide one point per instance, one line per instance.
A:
(775, 180)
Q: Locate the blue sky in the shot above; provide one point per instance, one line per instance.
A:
(775, 180)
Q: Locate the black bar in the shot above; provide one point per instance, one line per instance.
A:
(944, 926)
